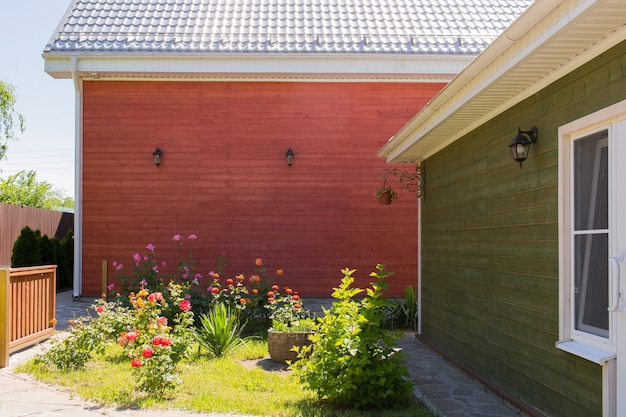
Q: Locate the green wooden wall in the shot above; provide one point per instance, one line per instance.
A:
(490, 247)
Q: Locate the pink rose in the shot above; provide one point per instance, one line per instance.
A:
(185, 305)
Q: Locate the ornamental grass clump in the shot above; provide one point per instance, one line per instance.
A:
(220, 331)
(352, 361)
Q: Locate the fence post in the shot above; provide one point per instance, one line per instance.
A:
(105, 279)
(5, 317)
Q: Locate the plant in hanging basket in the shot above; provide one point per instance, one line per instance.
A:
(385, 195)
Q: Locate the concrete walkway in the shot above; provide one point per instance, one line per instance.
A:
(438, 384)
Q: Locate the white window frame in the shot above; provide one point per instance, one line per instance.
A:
(586, 345)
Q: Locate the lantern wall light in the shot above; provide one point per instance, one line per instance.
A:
(289, 156)
(157, 154)
(521, 144)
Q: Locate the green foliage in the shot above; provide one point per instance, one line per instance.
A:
(47, 251)
(220, 331)
(287, 312)
(352, 362)
(64, 250)
(23, 189)
(9, 118)
(26, 249)
(403, 313)
(32, 249)
(154, 346)
(87, 335)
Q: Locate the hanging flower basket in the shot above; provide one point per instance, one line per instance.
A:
(385, 195)
(385, 198)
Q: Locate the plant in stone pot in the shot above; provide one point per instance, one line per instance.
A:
(291, 324)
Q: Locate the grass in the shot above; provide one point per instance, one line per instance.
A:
(241, 383)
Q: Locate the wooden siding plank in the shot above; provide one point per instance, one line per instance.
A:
(490, 247)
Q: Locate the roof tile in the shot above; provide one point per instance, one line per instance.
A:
(287, 26)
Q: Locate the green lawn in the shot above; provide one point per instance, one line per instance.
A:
(243, 383)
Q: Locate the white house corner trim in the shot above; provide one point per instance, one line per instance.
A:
(78, 183)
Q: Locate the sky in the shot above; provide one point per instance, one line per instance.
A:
(47, 144)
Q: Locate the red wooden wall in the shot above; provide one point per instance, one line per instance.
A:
(224, 177)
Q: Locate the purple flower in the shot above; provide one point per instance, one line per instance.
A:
(195, 282)
(177, 237)
(137, 257)
(155, 268)
(192, 237)
(150, 247)
(114, 263)
(110, 287)
(197, 276)
(185, 276)
(118, 267)
(163, 263)
(143, 282)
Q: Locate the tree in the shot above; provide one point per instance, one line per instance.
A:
(10, 120)
(23, 189)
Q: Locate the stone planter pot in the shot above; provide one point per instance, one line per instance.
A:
(280, 344)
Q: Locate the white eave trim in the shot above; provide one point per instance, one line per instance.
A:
(440, 123)
(398, 67)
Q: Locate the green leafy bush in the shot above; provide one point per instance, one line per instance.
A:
(88, 335)
(220, 331)
(352, 361)
(26, 249)
(403, 313)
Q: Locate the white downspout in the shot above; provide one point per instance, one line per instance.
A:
(78, 181)
(419, 265)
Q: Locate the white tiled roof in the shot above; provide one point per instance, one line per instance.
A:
(457, 27)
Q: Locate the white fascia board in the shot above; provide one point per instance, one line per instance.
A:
(430, 68)
(526, 35)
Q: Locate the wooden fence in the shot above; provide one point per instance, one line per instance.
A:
(14, 218)
(27, 308)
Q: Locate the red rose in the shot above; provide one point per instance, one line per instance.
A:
(275, 287)
(136, 363)
(185, 305)
(271, 294)
(147, 352)
(296, 297)
(215, 290)
(229, 281)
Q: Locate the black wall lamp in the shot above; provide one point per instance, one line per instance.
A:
(157, 154)
(289, 155)
(521, 144)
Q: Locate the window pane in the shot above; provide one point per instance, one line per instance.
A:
(591, 182)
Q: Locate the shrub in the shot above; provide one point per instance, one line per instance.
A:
(220, 331)
(88, 335)
(351, 361)
(26, 249)
(403, 313)
(154, 346)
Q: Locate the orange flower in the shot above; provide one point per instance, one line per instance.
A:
(240, 277)
(215, 275)
(296, 297)
(279, 272)
(297, 306)
(271, 294)
(255, 291)
(275, 287)
(259, 262)
(254, 278)
(229, 281)
(288, 290)
(242, 300)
